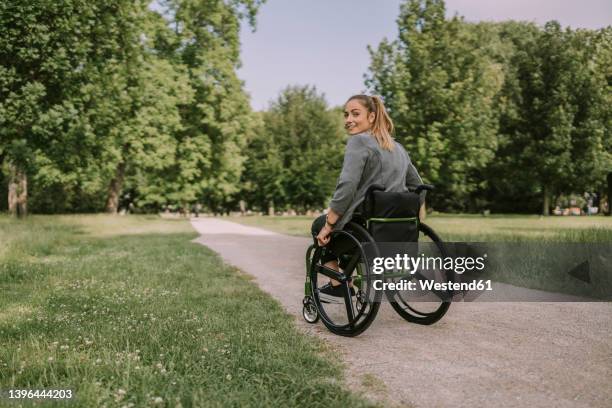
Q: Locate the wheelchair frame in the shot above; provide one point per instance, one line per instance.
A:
(361, 314)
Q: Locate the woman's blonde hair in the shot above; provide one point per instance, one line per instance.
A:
(382, 128)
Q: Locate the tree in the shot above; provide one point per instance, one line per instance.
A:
(44, 48)
(77, 96)
(295, 159)
(592, 95)
(104, 98)
(438, 85)
(216, 125)
(147, 92)
(507, 115)
(554, 125)
(263, 180)
(510, 188)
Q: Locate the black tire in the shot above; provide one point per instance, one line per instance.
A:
(425, 313)
(359, 310)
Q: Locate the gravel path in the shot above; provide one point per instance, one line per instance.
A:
(480, 354)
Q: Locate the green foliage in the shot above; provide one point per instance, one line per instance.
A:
(126, 111)
(296, 155)
(216, 124)
(107, 103)
(107, 99)
(553, 128)
(501, 115)
(438, 85)
(44, 49)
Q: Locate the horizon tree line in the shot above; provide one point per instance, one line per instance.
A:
(112, 104)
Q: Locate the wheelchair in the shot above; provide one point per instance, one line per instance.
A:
(354, 313)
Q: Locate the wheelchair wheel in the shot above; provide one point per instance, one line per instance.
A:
(424, 307)
(349, 315)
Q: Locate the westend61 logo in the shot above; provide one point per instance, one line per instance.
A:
(420, 263)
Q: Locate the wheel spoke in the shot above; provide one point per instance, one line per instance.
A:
(345, 315)
(350, 267)
(331, 273)
(348, 301)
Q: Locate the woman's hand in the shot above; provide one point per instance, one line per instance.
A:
(324, 235)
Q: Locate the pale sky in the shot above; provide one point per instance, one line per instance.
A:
(323, 42)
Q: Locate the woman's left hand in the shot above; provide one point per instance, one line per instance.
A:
(324, 235)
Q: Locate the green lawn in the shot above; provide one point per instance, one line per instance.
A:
(126, 311)
(467, 227)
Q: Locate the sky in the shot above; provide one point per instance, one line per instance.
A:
(324, 42)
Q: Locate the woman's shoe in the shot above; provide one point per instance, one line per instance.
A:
(336, 291)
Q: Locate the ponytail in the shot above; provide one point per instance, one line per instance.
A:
(382, 128)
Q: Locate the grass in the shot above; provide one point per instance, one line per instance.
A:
(126, 311)
(472, 228)
(291, 225)
(530, 251)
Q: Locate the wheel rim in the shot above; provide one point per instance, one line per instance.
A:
(350, 313)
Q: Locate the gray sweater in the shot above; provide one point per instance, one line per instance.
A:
(366, 163)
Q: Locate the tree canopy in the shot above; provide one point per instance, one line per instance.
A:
(296, 155)
(114, 104)
(497, 115)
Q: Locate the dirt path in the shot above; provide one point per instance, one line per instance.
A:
(480, 354)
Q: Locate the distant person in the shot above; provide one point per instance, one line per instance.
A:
(371, 157)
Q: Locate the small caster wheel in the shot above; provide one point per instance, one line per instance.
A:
(309, 311)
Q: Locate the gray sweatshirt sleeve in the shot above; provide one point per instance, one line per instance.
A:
(413, 180)
(355, 158)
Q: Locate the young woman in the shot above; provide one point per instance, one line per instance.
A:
(372, 156)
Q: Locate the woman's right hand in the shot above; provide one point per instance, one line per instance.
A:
(324, 235)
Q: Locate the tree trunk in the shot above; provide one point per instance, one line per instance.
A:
(114, 189)
(546, 201)
(271, 208)
(17, 191)
(609, 212)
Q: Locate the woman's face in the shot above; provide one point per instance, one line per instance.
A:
(356, 117)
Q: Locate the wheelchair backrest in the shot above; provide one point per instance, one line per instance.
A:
(392, 216)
